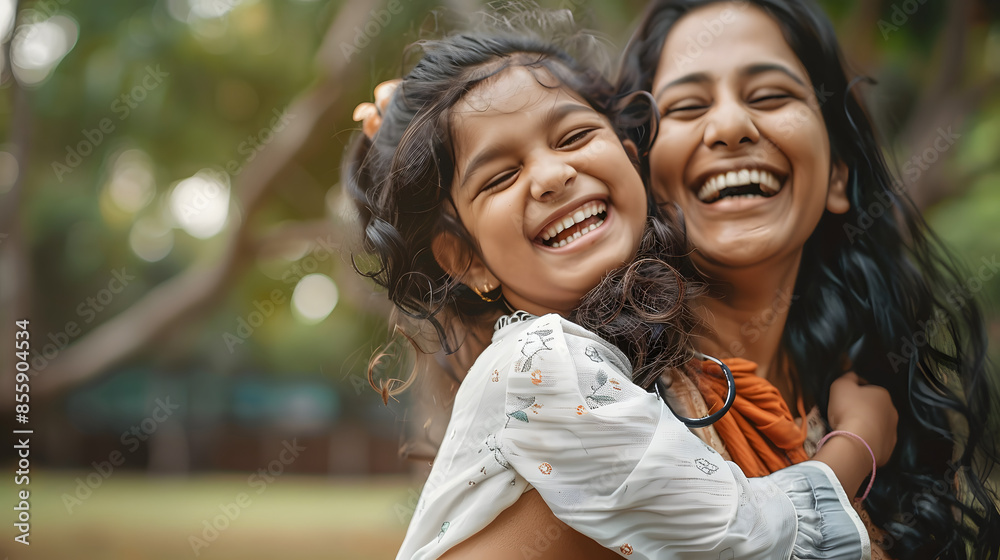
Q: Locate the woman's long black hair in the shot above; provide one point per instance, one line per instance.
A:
(400, 182)
(875, 286)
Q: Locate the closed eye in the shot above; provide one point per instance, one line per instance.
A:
(685, 110)
(772, 100)
(500, 180)
(576, 138)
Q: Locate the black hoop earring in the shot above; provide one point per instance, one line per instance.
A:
(715, 416)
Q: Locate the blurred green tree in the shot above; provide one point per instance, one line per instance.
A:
(170, 169)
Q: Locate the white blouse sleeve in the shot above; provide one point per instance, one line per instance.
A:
(613, 462)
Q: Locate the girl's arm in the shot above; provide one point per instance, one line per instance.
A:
(865, 410)
(528, 529)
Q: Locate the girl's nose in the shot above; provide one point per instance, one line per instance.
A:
(550, 177)
(729, 125)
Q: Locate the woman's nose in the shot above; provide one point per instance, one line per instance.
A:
(729, 125)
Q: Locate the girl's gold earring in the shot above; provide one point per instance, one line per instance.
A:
(482, 294)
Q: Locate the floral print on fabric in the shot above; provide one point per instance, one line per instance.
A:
(603, 390)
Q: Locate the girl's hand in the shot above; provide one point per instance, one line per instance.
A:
(865, 410)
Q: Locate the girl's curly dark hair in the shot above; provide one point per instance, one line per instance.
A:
(644, 308)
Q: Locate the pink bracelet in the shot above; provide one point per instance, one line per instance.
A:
(865, 443)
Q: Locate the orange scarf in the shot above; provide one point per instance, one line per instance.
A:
(759, 431)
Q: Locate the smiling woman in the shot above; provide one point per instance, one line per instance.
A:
(737, 83)
(745, 111)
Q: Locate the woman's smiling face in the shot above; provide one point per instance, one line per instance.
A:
(742, 149)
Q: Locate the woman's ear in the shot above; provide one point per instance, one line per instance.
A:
(462, 263)
(836, 196)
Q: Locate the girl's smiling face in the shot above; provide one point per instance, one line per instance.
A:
(545, 188)
(742, 149)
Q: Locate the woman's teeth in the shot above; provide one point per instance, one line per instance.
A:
(574, 225)
(745, 182)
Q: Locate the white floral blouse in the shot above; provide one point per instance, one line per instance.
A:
(549, 405)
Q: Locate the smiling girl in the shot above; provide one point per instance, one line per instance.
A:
(768, 154)
(502, 184)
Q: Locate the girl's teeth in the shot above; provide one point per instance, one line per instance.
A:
(578, 235)
(584, 212)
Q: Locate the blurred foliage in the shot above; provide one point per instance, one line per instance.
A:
(225, 78)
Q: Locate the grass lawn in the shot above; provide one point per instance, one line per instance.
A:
(134, 516)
